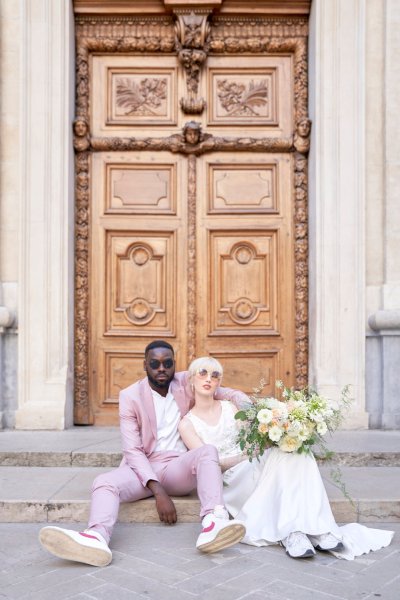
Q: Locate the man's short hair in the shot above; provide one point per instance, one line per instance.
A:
(158, 344)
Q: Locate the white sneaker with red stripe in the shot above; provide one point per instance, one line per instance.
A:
(219, 532)
(87, 546)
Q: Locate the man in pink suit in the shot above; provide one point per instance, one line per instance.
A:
(155, 463)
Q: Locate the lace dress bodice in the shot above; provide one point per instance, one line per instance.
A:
(223, 435)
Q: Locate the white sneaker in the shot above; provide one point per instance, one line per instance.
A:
(87, 546)
(219, 532)
(326, 542)
(298, 545)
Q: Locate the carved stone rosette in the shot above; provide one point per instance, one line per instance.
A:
(193, 38)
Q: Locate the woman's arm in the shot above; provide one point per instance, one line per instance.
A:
(189, 435)
(192, 440)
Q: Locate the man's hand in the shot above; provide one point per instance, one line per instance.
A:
(165, 507)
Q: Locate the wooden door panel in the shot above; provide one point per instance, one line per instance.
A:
(141, 189)
(138, 231)
(120, 370)
(135, 93)
(250, 95)
(242, 282)
(245, 369)
(242, 190)
(140, 283)
(145, 229)
(245, 266)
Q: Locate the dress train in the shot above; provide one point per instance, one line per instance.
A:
(281, 493)
(284, 492)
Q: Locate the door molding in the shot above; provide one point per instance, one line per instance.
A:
(156, 34)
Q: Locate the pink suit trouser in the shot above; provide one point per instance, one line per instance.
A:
(178, 475)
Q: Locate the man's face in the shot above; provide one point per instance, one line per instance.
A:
(159, 365)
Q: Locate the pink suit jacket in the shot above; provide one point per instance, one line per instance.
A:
(139, 426)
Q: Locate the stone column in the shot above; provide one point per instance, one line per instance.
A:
(46, 230)
(337, 202)
(383, 215)
(10, 23)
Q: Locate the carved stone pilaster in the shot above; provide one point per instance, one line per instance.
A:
(192, 32)
(82, 413)
(301, 269)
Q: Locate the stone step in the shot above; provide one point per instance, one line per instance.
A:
(113, 459)
(62, 495)
(101, 447)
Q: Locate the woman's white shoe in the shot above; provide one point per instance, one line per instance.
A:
(298, 545)
(326, 542)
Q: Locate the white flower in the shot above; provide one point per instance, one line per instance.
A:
(289, 444)
(304, 433)
(322, 428)
(272, 402)
(317, 417)
(264, 416)
(275, 433)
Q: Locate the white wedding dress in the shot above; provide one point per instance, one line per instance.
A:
(281, 493)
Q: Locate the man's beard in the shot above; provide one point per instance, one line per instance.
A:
(160, 384)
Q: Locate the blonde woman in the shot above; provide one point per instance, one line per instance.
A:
(281, 498)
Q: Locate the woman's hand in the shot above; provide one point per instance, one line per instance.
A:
(231, 461)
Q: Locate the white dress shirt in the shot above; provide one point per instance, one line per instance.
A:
(168, 416)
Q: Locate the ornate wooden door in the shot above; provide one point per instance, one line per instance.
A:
(196, 208)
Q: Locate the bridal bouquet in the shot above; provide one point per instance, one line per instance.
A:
(293, 422)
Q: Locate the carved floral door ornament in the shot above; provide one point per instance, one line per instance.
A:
(223, 191)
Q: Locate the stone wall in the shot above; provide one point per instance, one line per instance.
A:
(37, 206)
(354, 209)
(10, 177)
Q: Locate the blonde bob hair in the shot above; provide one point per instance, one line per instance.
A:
(204, 362)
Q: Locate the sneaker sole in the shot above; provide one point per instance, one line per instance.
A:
(307, 554)
(62, 545)
(337, 548)
(230, 535)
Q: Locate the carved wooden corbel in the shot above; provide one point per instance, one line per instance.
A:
(192, 33)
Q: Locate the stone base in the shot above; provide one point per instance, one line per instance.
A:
(383, 379)
(40, 415)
